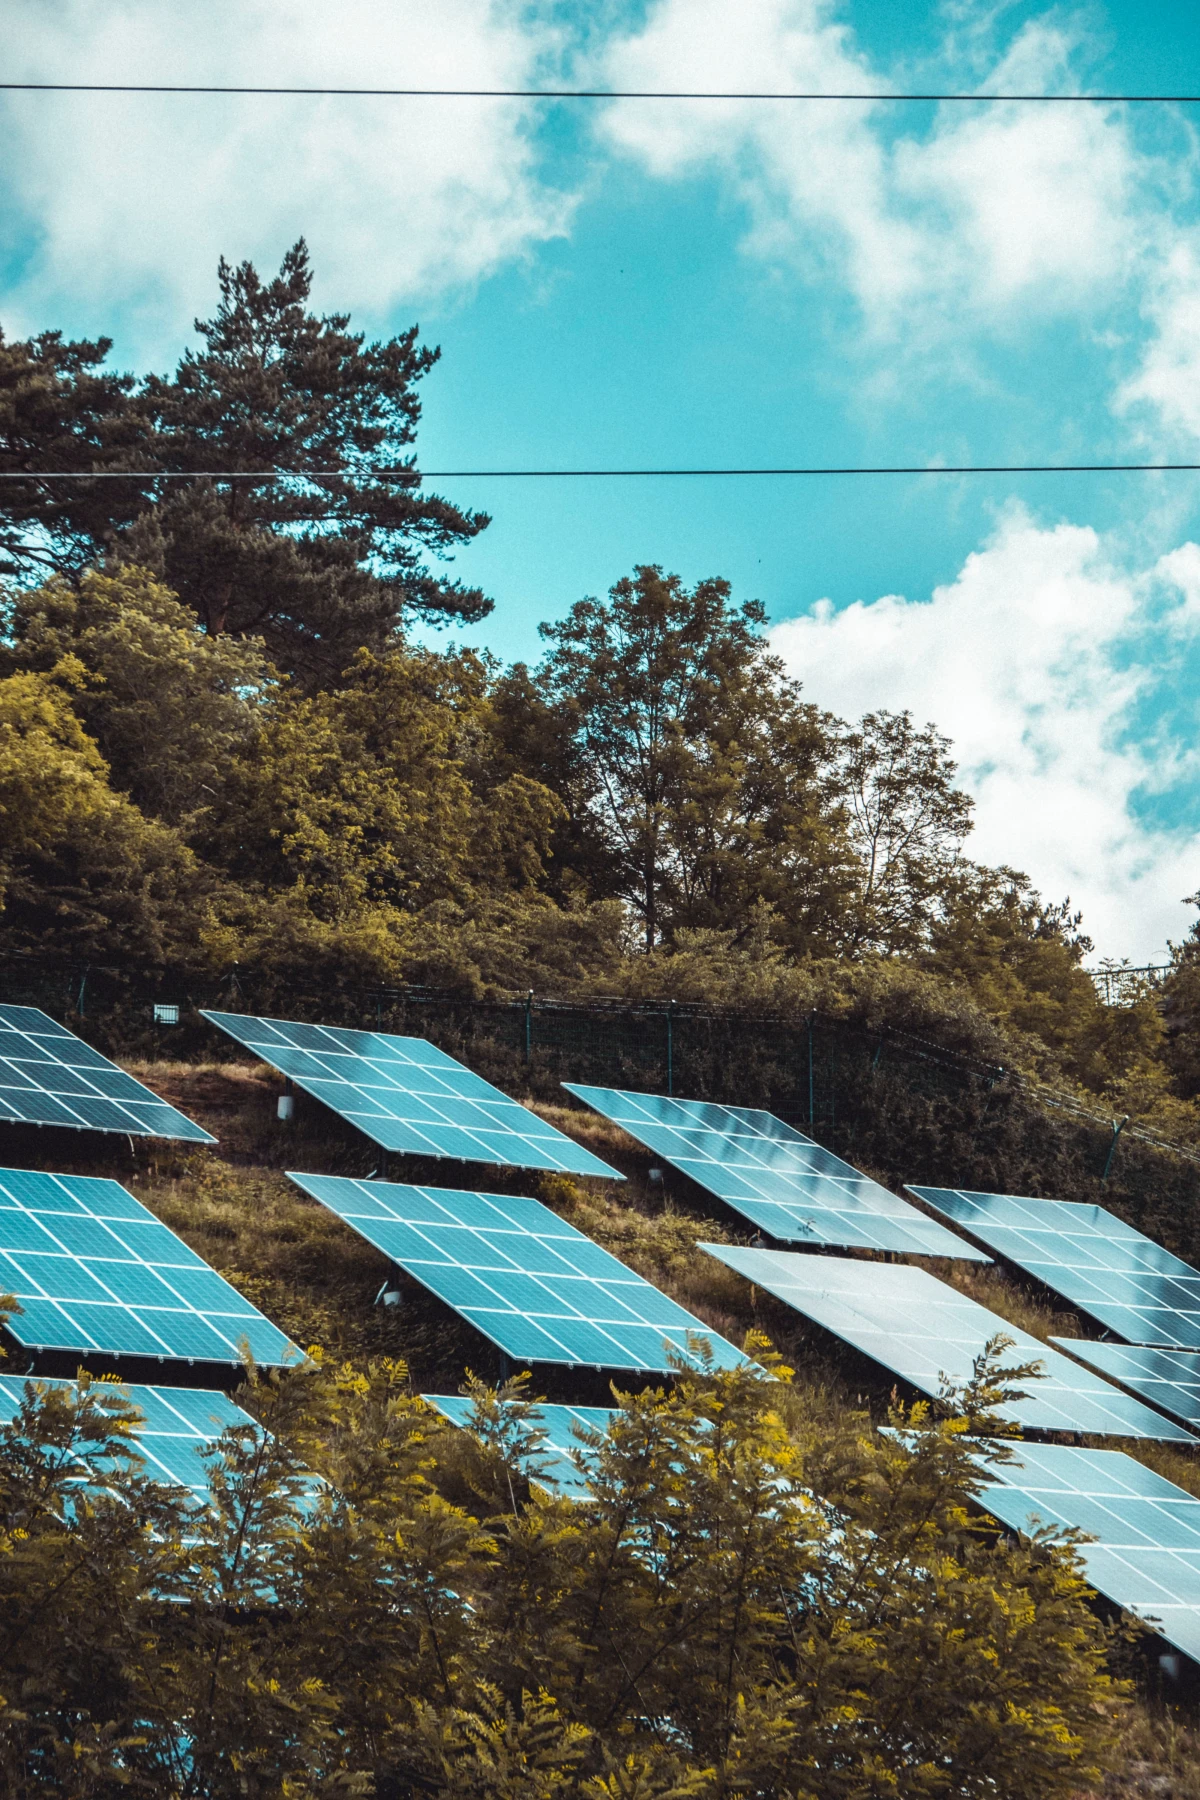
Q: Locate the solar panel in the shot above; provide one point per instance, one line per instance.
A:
(50, 1077)
(921, 1328)
(1169, 1379)
(530, 1282)
(774, 1176)
(409, 1096)
(1110, 1270)
(94, 1269)
(552, 1462)
(1146, 1557)
(178, 1422)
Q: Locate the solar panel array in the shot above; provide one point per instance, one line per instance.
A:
(1168, 1379)
(93, 1269)
(1111, 1271)
(48, 1076)
(521, 1275)
(552, 1462)
(1146, 1557)
(923, 1330)
(409, 1096)
(177, 1424)
(773, 1175)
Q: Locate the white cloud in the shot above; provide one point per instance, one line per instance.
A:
(1034, 661)
(130, 199)
(1168, 380)
(989, 208)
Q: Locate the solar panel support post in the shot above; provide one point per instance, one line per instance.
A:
(1118, 1125)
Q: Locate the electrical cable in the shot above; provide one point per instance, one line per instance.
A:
(415, 476)
(382, 93)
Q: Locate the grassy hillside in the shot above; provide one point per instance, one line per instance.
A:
(318, 1280)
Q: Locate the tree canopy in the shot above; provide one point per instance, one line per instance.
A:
(332, 558)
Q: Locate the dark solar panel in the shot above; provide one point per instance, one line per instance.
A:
(178, 1423)
(1108, 1269)
(93, 1269)
(773, 1175)
(552, 1462)
(1146, 1557)
(50, 1077)
(1169, 1379)
(530, 1282)
(923, 1329)
(410, 1097)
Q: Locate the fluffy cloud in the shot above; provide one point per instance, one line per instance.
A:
(1168, 380)
(1036, 661)
(130, 199)
(986, 208)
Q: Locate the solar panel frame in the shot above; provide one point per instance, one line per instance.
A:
(539, 1289)
(772, 1174)
(48, 1076)
(1168, 1379)
(908, 1321)
(1146, 1557)
(1112, 1272)
(77, 1251)
(410, 1097)
(554, 1454)
(177, 1422)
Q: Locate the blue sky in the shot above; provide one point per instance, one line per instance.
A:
(638, 283)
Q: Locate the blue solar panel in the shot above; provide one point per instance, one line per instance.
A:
(1110, 1270)
(552, 1464)
(410, 1097)
(93, 1269)
(530, 1282)
(923, 1330)
(773, 1175)
(50, 1077)
(1146, 1554)
(1169, 1379)
(177, 1424)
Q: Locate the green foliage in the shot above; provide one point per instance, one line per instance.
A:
(737, 1609)
(315, 566)
(688, 754)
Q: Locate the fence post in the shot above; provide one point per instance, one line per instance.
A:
(670, 1047)
(1118, 1125)
(529, 1026)
(810, 1069)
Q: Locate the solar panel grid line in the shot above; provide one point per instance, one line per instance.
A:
(922, 1329)
(1108, 1269)
(48, 1076)
(773, 1175)
(554, 1460)
(532, 1284)
(1146, 1553)
(93, 1269)
(410, 1097)
(177, 1424)
(1166, 1379)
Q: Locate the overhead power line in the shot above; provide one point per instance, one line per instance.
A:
(415, 93)
(145, 476)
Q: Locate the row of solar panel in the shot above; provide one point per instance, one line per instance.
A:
(412, 1097)
(179, 1307)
